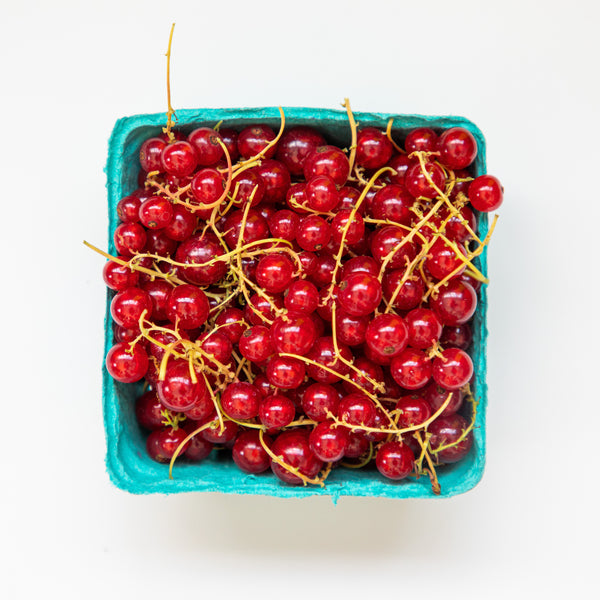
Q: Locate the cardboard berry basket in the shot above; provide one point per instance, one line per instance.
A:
(128, 464)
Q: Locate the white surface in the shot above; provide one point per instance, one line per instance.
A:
(526, 73)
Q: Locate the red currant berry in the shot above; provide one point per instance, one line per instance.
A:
(447, 431)
(161, 445)
(457, 147)
(373, 149)
(411, 369)
(179, 159)
(249, 454)
(240, 400)
(453, 369)
(274, 272)
(205, 142)
(395, 460)
(125, 364)
(328, 441)
(188, 306)
(424, 328)
(486, 193)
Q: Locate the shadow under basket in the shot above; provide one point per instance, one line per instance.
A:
(128, 464)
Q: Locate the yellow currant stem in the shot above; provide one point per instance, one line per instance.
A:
(435, 486)
(170, 111)
(362, 463)
(346, 227)
(464, 433)
(376, 384)
(353, 132)
(293, 470)
(185, 441)
(388, 133)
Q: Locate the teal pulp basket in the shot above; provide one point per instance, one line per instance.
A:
(129, 466)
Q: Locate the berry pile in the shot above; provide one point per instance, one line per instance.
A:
(300, 305)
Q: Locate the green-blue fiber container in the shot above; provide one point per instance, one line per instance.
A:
(129, 466)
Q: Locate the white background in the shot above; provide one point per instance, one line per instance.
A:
(525, 72)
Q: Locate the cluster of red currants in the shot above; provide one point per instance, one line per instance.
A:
(302, 305)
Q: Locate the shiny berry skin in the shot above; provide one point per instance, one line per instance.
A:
(393, 202)
(350, 330)
(229, 138)
(255, 228)
(126, 365)
(417, 184)
(353, 232)
(312, 233)
(360, 294)
(358, 445)
(127, 307)
(255, 344)
(455, 303)
(436, 396)
(453, 369)
(387, 334)
(205, 142)
(389, 243)
(276, 411)
(276, 178)
(248, 453)
(130, 239)
(197, 449)
(459, 336)
(231, 323)
(150, 154)
(203, 410)
(119, 277)
(410, 292)
(201, 249)
(442, 261)
(128, 209)
(263, 305)
(327, 160)
(283, 224)
(148, 411)
(457, 147)
(159, 291)
(456, 231)
(248, 185)
(415, 411)
(424, 328)
(400, 163)
(328, 441)
(360, 264)
(363, 368)
(321, 194)
(156, 212)
(274, 272)
(240, 400)
(422, 139)
(318, 399)
(182, 225)
(207, 186)
(158, 243)
(295, 145)
(486, 193)
(179, 159)
(356, 409)
(214, 434)
(293, 448)
(302, 296)
(177, 391)
(162, 444)
(323, 353)
(294, 333)
(254, 139)
(411, 369)
(285, 372)
(188, 306)
(395, 460)
(446, 430)
(373, 149)
(216, 345)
